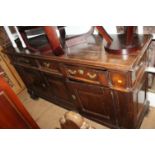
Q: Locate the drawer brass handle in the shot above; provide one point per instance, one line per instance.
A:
(43, 85)
(73, 97)
(91, 76)
(46, 64)
(81, 71)
(73, 72)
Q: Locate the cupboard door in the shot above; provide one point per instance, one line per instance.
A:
(34, 81)
(59, 90)
(94, 101)
(29, 76)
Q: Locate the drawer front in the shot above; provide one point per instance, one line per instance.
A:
(87, 74)
(25, 61)
(119, 80)
(49, 66)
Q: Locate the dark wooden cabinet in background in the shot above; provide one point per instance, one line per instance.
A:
(108, 88)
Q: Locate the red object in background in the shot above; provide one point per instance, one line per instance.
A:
(126, 43)
(13, 114)
(104, 34)
(53, 40)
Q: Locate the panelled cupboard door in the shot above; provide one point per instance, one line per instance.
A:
(93, 100)
(30, 76)
(59, 90)
(34, 81)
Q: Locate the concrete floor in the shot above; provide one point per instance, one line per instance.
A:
(47, 114)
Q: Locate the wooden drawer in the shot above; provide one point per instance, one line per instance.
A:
(25, 61)
(119, 80)
(87, 74)
(49, 66)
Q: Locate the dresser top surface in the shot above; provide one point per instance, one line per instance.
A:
(92, 52)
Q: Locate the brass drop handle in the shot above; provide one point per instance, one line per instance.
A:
(81, 71)
(43, 85)
(73, 72)
(47, 64)
(91, 76)
(73, 97)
